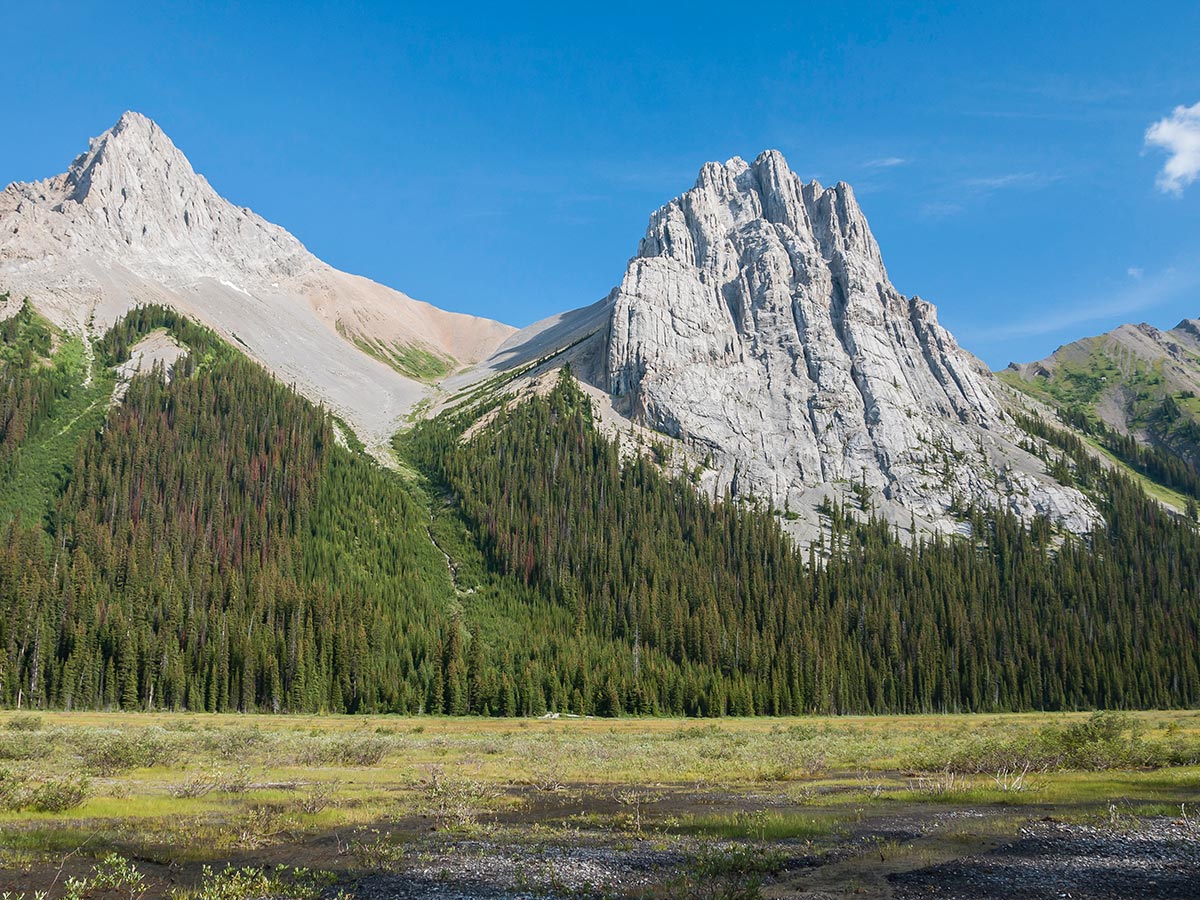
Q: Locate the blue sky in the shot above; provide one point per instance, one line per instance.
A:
(504, 161)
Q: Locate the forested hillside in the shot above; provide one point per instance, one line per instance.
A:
(1018, 618)
(209, 544)
(211, 548)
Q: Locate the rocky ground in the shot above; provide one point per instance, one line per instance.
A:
(1150, 858)
(1154, 858)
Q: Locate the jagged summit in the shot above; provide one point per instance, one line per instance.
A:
(758, 318)
(134, 196)
(135, 144)
(131, 221)
(757, 325)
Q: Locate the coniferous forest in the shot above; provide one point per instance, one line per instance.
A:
(211, 544)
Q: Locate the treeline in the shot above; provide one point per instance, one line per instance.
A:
(1170, 461)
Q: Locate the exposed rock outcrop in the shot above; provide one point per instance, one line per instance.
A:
(757, 324)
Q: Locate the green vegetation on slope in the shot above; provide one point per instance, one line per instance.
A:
(213, 548)
(724, 615)
(46, 406)
(1168, 420)
(412, 360)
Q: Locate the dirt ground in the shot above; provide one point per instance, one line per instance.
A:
(550, 845)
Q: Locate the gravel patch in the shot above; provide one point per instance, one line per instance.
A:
(1156, 858)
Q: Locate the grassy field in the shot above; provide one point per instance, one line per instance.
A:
(168, 794)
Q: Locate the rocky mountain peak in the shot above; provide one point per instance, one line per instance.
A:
(136, 147)
(134, 197)
(131, 222)
(757, 323)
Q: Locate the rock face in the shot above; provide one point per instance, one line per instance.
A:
(758, 325)
(132, 222)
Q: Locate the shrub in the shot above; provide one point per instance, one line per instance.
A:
(454, 803)
(1105, 740)
(260, 826)
(208, 781)
(319, 796)
(17, 792)
(11, 790)
(108, 753)
(345, 750)
(112, 875)
(236, 743)
(251, 884)
(24, 722)
(55, 795)
(380, 852)
(726, 873)
(24, 744)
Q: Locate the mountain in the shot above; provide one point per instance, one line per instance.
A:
(132, 222)
(183, 531)
(1135, 380)
(757, 326)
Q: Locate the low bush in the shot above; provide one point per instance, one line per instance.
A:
(208, 781)
(108, 753)
(56, 795)
(12, 787)
(731, 872)
(24, 722)
(345, 750)
(251, 884)
(19, 792)
(22, 744)
(1104, 740)
(454, 803)
(113, 876)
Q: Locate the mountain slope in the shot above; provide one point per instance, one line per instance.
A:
(131, 222)
(1137, 381)
(1017, 617)
(757, 325)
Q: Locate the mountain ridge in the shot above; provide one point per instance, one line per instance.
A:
(132, 222)
(1136, 381)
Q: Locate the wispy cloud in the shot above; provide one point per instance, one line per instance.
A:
(885, 162)
(1179, 135)
(1022, 180)
(941, 209)
(960, 194)
(1137, 273)
(1146, 292)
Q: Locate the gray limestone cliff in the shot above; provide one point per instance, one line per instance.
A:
(757, 324)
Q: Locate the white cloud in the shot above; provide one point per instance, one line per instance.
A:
(885, 162)
(1179, 135)
(1135, 272)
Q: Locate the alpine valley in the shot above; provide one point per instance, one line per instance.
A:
(753, 479)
